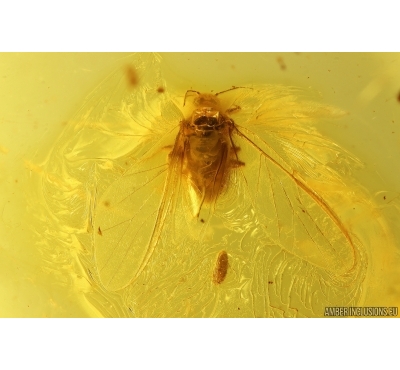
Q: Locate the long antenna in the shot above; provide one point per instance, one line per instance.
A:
(233, 88)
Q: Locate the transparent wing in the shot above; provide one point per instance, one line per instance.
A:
(132, 213)
(294, 176)
(115, 121)
(121, 135)
(295, 215)
(117, 118)
(289, 122)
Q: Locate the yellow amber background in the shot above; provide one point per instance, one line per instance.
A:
(40, 92)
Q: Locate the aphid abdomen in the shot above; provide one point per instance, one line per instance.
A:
(206, 165)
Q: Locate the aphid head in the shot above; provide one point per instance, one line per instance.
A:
(207, 100)
(199, 100)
